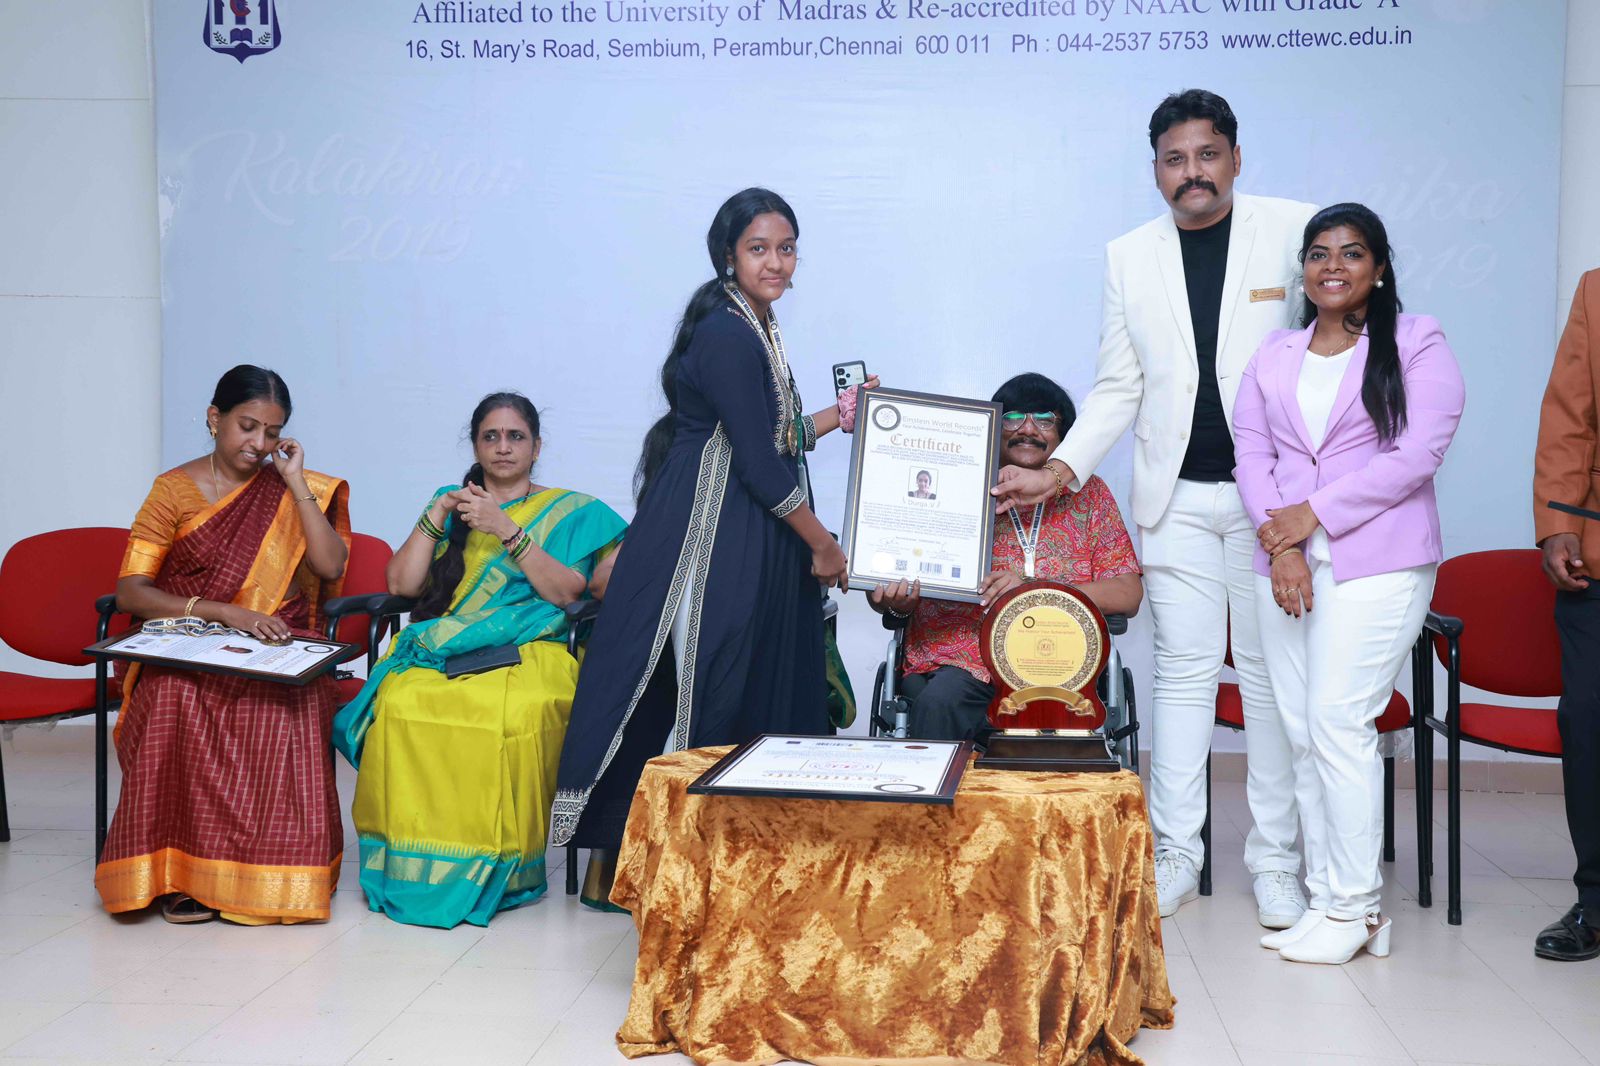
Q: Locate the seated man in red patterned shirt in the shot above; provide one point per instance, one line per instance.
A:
(1081, 541)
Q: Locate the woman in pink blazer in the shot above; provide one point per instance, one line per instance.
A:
(1338, 430)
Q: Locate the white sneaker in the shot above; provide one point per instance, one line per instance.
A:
(1279, 901)
(1284, 937)
(1177, 882)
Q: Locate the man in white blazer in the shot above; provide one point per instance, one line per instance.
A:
(1188, 297)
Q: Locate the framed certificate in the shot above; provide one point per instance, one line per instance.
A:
(295, 663)
(918, 504)
(858, 768)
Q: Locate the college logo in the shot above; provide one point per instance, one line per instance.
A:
(241, 28)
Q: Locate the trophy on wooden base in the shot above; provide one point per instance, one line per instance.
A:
(1045, 644)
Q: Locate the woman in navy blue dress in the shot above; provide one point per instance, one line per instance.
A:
(712, 627)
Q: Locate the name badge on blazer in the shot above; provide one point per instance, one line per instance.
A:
(1260, 295)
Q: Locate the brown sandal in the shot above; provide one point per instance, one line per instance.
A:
(185, 910)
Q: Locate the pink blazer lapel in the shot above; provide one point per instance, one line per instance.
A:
(1349, 387)
(1291, 357)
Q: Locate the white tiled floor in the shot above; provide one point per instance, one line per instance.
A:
(547, 985)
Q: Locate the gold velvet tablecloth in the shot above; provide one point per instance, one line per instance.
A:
(1018, 927)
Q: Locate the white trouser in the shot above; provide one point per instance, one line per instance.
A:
(1332, 671)
(1196, 574)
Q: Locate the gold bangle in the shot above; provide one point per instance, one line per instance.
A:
(1286, 551)
(1055, 472)
(188, 608)
(312, 498)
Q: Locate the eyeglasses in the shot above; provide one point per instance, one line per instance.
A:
(1042, 419)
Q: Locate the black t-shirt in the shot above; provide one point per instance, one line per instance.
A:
(1205, 262)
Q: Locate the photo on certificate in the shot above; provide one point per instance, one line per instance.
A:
(918, 506)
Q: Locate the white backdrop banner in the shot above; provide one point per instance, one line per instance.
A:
(401, 206)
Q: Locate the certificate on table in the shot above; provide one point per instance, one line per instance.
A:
(860, 768)
(295, 663)
(918, 504)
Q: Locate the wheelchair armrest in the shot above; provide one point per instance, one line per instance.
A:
(1446, 626)
(1117, 624)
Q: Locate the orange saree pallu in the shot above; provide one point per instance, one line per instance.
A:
(228, 788)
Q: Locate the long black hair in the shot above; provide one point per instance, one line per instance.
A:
(732, 219)
(245, 383)
(447, 569)
(1383, 386)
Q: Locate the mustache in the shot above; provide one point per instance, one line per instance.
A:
(1195, 183)
(1023, 438)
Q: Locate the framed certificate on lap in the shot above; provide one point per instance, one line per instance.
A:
(297, 662)
(918, 506)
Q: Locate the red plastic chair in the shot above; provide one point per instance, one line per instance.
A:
(1493, 626)
(346, 615)
(1395, 717)
(48, 585)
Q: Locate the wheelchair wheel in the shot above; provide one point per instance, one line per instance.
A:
(875, 724)
(1133, 719)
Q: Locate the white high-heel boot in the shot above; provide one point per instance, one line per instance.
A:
(1284, 937)
(1335, 943)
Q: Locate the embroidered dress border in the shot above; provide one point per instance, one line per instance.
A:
(783, 434)
(722, 460)
(710, 486)
(808, 433)
(790, 502)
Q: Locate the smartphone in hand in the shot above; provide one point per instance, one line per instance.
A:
(848, 375)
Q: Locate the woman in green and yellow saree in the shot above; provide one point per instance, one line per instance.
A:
(457, 774)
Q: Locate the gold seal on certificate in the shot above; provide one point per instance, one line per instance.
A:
(918, 506)
(1045, 644)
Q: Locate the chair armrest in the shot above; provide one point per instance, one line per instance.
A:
(580, 611)
(388, 605)
(580, 619)
(1117, 624)
(105, 606)
(1446, 626)
(340, 606)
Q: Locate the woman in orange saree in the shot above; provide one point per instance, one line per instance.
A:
(228, 802)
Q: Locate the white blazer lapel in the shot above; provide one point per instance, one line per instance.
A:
(1241, 239)
(1169, 256)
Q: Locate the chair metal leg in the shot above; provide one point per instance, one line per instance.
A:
(1388, 809)
(572, 869)
(5, 820)
(1205, 838)
(1453, 784)
(102, 770)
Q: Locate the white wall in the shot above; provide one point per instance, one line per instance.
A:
(80, 310)
(80, 283)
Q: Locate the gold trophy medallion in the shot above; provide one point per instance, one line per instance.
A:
(1045, 644)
